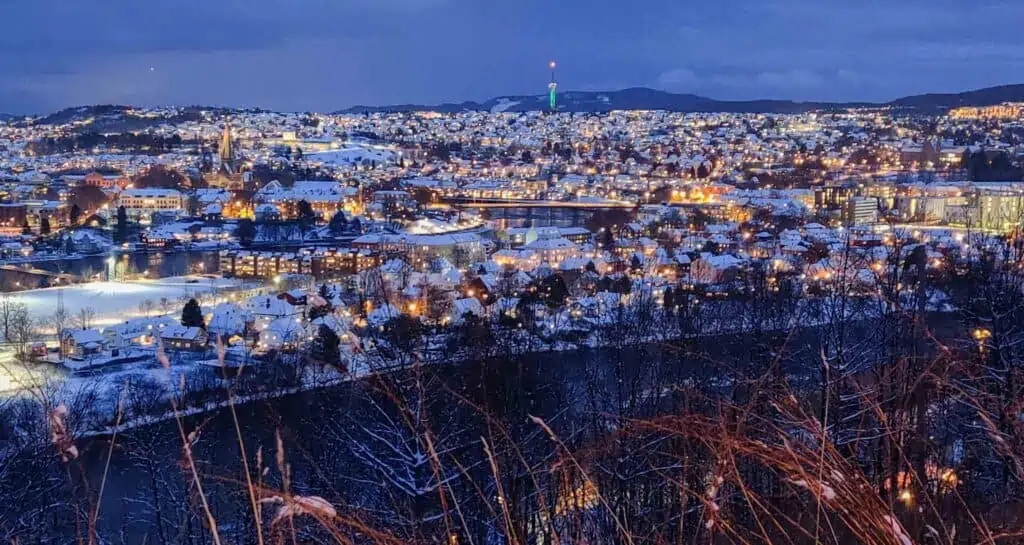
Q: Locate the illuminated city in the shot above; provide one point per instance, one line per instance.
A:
(564, 316)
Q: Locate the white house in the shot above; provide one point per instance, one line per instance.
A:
(461, 307)
(143, 203)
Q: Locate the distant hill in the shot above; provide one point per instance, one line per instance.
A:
(636, 98)
(110, 118)
(78, 113)
(978, 97)
(642, 98)
(119, 118)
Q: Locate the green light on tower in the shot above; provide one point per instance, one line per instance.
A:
(552, 89)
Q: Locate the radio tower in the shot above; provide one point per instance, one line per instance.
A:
(553, 89)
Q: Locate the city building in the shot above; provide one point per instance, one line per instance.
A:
(179, 337)
(1006, 110)
(520, 236)
(998, 208)
(860, 211)
(553, 250)
(141, 204)
(318, 262)
(325, 198)
(96, 179)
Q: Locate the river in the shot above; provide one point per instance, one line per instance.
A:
(539, 217)
(361, 445)
(115, 266)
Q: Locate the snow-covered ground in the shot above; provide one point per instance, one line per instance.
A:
(17, 377)
(351, 155)
(115, 302)
(503, 105)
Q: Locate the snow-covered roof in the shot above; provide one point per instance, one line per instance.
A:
(138, 327)
(150, 193)
(228, 319)
(281, 331)
(461, 306)
(85, 336)
(180, 332)
(268, 305)
(308, 190)
(380, 315)
(551, 244)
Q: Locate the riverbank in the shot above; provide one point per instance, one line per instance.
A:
(116, 265)
(323, 415)
(199, 389)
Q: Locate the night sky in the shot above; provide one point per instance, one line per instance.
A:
(331, 54)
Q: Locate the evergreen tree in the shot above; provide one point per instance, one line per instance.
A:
(44, 226)
(327, 346)
(307, 216)
(76, 214)
(670, 300)
(245, 231)
(607, 239)
(703, 171)
(25, 229)
(338, 223)
(87, 197)
(977, 166)
(635, 264)
(403, 332)
(325, 292)
(192, 315)
(591, 267)
(306, 211)
(552, 291)
(122, 224)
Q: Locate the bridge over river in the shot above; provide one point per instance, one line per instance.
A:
(15, 277)
(539, 213)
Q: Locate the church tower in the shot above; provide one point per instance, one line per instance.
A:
(227, 149)
(228, 174)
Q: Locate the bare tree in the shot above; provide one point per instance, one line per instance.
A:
(58, 321)
(8, 308)
(85, 318)
(408, 439)
(146, 307)
(166, 305)
(23, 330)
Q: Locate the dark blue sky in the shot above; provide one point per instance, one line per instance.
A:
(330, 54)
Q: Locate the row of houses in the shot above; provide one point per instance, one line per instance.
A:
(318, 262)
(263, 319)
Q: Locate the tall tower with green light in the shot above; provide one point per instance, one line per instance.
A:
(553, 89)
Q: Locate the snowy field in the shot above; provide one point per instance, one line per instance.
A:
(503, 105)
(351, 155)
(115, 302)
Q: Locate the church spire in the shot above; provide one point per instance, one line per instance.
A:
(227, 149)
